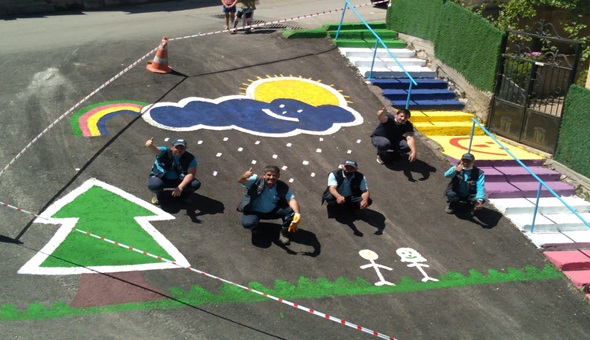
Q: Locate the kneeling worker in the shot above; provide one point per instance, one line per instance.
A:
(347, 190)
(467, 184)
(268, 198)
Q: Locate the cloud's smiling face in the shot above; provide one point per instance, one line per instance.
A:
(273, 107)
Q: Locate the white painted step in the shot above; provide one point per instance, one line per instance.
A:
(352, 52)
(568, 237)
(385, 62)
(547, 205)
(550, 223)
(397, 72)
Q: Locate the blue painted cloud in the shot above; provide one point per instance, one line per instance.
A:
(281, 117)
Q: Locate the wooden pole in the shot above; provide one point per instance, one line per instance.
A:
(588, 78)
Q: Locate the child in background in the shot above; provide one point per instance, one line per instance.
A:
(246, 9)
(229, 9)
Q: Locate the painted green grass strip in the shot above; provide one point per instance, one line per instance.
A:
(304, 289)
(304, 34)
(356, 26)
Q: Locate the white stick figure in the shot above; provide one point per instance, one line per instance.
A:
(414, 257)
(372, 256)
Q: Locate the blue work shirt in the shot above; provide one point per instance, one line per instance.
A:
(344, 188)
(171, 173)
(481, 190)
(269, 197)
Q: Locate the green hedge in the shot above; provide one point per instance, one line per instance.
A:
(418, 18)
(463, 40)
(574, 138)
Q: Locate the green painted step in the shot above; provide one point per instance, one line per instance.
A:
(356, 26)
(363, 34)
(369, 43)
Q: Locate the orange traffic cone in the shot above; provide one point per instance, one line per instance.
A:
(160, 63)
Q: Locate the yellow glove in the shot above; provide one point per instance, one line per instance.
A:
(295, 223)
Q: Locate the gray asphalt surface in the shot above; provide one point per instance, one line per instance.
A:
(408, 205)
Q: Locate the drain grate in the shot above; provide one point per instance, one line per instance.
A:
(276, 26)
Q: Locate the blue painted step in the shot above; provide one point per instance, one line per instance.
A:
(429, 104)
(419, 94)
(404, 83)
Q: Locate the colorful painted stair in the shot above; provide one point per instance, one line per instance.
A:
(554, 221)
(510, 188)
(575, 264)
(507, 179)
(443, 123)
(389, 70)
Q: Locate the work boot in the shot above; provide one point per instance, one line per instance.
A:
(450, 208)
(284, 236)
(379, 160)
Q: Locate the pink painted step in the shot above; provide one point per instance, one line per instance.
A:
(579, 277)
(570, 260)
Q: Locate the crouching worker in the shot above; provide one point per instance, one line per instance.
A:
(173, 168)
(467, 185)
(268, 198)
(347, 190)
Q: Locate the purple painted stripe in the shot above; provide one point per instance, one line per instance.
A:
(500, 163)
(526, 189)
(519, 174)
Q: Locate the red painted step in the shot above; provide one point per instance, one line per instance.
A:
(570, 260)
(579, 277)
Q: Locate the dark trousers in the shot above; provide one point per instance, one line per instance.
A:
(350, 204)
(251, 219)
(157, 185)
(454, 197)
(383, 144)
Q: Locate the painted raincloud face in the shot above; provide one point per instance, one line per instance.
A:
(272, 107)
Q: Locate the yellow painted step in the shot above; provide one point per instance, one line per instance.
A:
(440, 116)
(482, 147)
(446, 128)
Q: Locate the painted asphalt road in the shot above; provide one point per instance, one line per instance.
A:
(408, 209)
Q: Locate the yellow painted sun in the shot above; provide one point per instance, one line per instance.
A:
(308, 91)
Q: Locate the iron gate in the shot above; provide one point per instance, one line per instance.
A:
(534, 74)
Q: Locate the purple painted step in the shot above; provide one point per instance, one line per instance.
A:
(526, 189)
(508, 179)
(518, 173)
(404, 84)
(497, 163)
(419, 94)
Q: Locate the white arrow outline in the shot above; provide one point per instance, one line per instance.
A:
(33, 265)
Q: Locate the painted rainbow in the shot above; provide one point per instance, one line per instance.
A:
(90, 121)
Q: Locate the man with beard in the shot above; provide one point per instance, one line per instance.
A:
(396, 133)
(467, 185)
(347, 190)
(268, 198)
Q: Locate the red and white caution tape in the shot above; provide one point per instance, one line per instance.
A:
(126, 69)
(299, 17)
(278, 299)
(73, 108)
(289, 303)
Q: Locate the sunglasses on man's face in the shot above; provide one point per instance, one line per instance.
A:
(179, 146)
